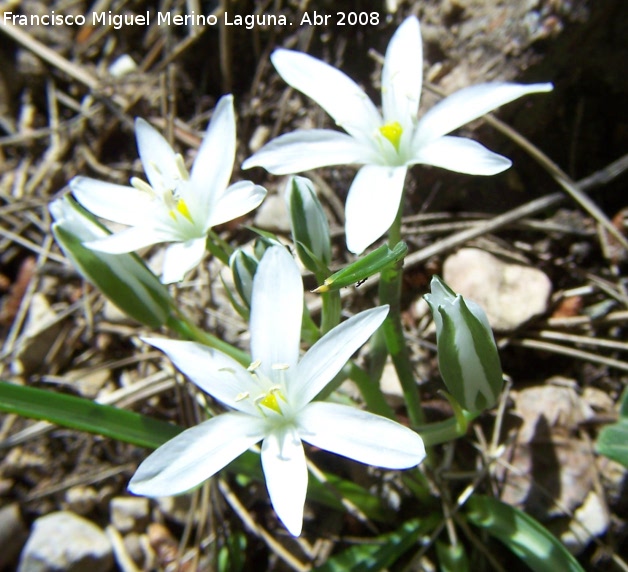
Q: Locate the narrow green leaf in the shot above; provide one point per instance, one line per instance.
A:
(85, 415)
(612, 441)
(382, 552)
(452, 558)
(367, 266)
(523, 535)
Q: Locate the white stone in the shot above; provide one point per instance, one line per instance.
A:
(129, 513)
(510, 294)
(64, 542)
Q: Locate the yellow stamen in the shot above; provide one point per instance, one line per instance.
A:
(392, 132)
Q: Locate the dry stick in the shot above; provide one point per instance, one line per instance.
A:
(560, 177)
(258, 530)
(48, 55)
(528, 209)
(571, 352)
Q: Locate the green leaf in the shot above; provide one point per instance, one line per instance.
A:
(123, 278)
(452, 558)
(612, 441)
(523, 535)
(382, 551)
(85, 415)
(367, 266)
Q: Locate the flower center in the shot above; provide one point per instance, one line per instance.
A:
(392, 132)
(270, 400)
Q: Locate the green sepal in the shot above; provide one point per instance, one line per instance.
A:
(365, 267)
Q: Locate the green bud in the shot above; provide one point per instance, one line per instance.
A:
(310, 229)
(243, 267)
(365, 267)
(467, 354)
(123, 278)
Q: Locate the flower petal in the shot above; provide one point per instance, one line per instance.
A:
(360, 435)
(214, 372)
(334, 91)
(469, 104)
(402, 74)
(158, 158)
(329, 354)
(128, 240)
(372, 204)
(283, 461)
(461, 155)
(276, 310)
(213, 164)
(304, 150)
(195, 455)
(235, 201)
(180, 257)
(118, 203)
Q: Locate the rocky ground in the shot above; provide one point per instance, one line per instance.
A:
(550, 273)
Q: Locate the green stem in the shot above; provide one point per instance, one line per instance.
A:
(330, 313)
(187, 330)
(390, 293)
(371, 392)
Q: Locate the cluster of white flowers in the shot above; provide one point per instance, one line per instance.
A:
(273, 401)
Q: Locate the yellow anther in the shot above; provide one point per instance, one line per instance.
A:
(392, 132)
(242, 396)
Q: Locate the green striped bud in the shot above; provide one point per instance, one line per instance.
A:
(123, 278)
(310, 229)
(243, 267)
(467, 354)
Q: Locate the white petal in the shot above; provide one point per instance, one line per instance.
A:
(237, 200)
(195, 455)
(283, 461)
(461, 155)
(214, 372)
(181, 257)
(213, 165)
(469, 104)
(158, 158)
(329, 354)
(276, 310)
(128, 240)
(334, 91)
(372, 204)
(304, 150)
(118, 203)
(402, 74)
(360, 435)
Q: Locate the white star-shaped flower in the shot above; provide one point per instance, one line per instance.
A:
(272, 401)
(174, 206)
(386, 143)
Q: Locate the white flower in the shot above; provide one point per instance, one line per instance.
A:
(272, 401)
(385, 143)
(174, 206)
